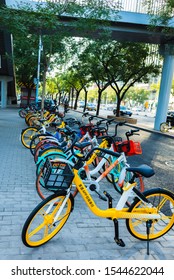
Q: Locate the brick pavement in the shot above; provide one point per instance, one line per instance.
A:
(84, 237)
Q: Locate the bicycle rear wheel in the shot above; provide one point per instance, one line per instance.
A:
(114, 175)
(41, 225)
(162, 201)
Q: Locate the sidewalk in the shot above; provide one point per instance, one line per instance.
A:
(84, 237)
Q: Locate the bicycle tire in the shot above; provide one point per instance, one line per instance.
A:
(35, 140)
(47, 151)
(27, 134)
(40, 186)
(28, 116)
(96, 162)
(109, 176)
(164, 127)
(40, 227)
(51, 154)
(32, 120)
(43, 147)
(163, 201)
(113, 177)
(22, 113)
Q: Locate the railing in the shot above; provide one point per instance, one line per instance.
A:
(136, 6)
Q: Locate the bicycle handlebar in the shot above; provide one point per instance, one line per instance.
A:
(85, 158)
(131, 132)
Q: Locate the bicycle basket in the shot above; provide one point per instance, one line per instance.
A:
(86, 128)
(57, 175)
(129, 147)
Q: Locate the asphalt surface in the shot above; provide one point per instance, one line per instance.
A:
(84, 237)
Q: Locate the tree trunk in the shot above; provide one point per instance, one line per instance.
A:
(85, 101)
(76, 99)
(72, 97)
(118, 107)
(43, 93)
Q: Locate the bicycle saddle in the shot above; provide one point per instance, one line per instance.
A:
(142, 169)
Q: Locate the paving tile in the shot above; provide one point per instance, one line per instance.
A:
(84, 237)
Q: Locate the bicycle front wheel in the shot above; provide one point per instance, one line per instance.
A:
(164, 127)
(162, 202)
(27, 134)
(22, 113)
(45, 222)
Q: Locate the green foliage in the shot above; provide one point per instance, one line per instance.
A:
(160, 15)
(118, 65)
(137, 96)
(108, 64)
(26, 23)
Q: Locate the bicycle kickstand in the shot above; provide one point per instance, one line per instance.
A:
(119, 241)
(148, 226)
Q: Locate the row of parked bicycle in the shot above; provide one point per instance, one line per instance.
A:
(74, 157)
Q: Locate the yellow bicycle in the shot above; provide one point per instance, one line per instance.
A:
(149, 216)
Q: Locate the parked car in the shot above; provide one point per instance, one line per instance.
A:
(123, 111)
(81, 104)
(91, 107)
(137, 109)
(170, 117)
(48, 104)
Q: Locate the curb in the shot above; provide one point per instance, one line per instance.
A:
(134, 126)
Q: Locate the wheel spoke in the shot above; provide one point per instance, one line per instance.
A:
(161, 204)
(36, 230)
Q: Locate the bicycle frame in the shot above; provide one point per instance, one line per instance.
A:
(114, 213)
(119, 212)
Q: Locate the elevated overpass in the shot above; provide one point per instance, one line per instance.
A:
(132, 24)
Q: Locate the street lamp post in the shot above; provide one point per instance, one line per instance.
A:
(38, 68)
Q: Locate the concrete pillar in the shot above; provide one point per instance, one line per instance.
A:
(165, 87)
(3, 93)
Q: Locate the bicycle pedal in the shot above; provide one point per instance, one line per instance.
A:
(120, 242)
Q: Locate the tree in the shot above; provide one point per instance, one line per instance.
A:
(24, 21)
(137, 95)
(27, 25)
(118, 65)
(77, 81)
(161, 16)
(91, 65)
